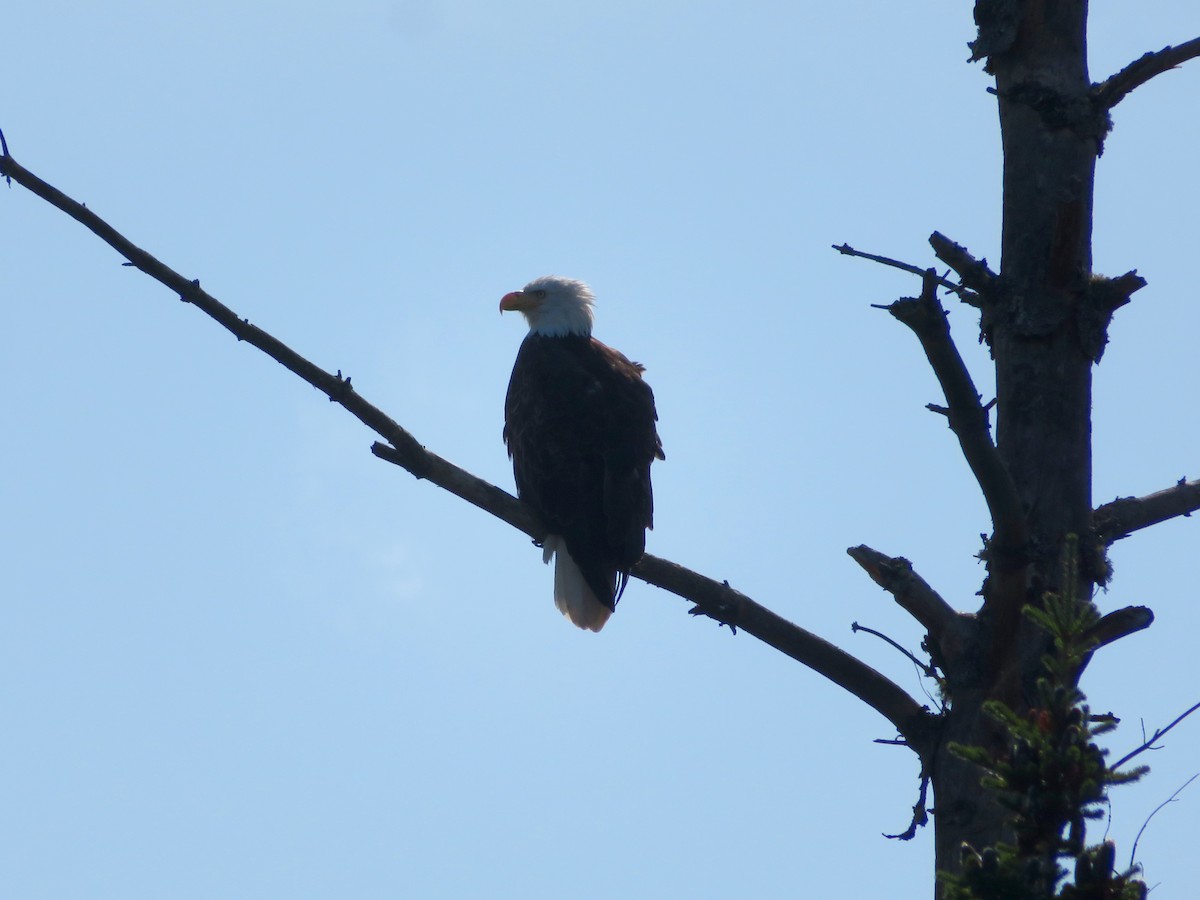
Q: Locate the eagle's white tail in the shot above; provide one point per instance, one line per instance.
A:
(572, 596)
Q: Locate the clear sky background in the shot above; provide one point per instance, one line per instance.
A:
(241, 657)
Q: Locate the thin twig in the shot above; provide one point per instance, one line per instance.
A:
(1171, 799)
(1154, 737)
(714, 598)
(966, 295)
(928, 670)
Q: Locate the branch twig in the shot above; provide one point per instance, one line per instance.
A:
(967, 296)
(1157, 809)
(927, 670)
(1125, 515)
(912, 592)
(1114, 89)
(1154, 737)
(714, 598)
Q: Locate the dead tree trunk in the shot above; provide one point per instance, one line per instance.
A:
(1035, 314)
(1044, 316)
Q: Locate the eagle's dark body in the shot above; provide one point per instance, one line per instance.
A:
(579, 423)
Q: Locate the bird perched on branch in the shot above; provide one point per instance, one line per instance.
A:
(579, 423)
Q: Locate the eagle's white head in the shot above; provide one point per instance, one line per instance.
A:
(553, 306)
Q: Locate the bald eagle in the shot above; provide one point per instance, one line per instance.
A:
(579, 423)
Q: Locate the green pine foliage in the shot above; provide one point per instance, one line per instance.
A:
(1052, 777)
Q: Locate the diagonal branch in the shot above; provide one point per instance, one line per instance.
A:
(974, 273)
(1114, 89)
(722, 602)
(1158, 733)
(335, 387)
(965, 295)
(969, 421)
(913, 593)
(1125, 515)
(713, 598)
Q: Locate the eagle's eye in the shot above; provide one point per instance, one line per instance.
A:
(540, 293)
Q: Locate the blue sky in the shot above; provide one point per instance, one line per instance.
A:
(242, 657)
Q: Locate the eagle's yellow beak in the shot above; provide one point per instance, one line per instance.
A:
(519, 301)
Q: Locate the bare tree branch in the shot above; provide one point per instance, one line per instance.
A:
(1114, 89)
(965, 295)
(1103, 297)
(927, 669)
(713, 598)
(974, 273)
(896, 576)
(722, 602)
(1125, 515)
(1110, 294)
(336, 387)
(1174, 796)
(1158, 733)
(969, 421)
(1120, 623)
(426, 465)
